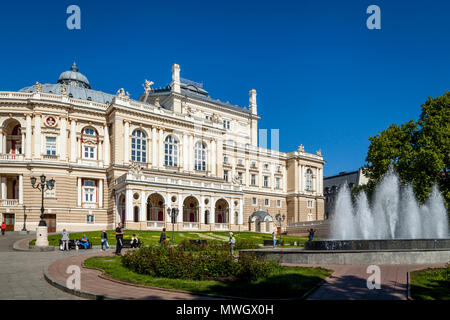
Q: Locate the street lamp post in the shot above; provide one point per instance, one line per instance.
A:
(24, 218)
(42, 185)
(280, 218)
(173, 213)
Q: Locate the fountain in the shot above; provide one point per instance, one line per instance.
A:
(395, 221)
(394, 229)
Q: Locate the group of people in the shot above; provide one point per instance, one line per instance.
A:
(135, 241)
(84, 241)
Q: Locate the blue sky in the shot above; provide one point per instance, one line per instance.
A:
(322, 77)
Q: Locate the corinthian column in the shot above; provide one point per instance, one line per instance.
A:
(73, 141)
(161, 147)
(154, 149)
(105, 145)
(126, 142)
(63, 139)
(37, 135)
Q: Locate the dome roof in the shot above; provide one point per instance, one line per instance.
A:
(74, 78)
(260, 215)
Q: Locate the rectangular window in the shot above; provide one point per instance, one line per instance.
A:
(225, 159)
(225, 175)
(89, 152)
(208, 117)
(253, 164)
(279, 203)
(89, 191)
(266, 166)
(50, 146)
(254, 201)
(266, 202)
(90, 219)
(253, 180)
(240, 162)
(310, 204)
(226, 124)
(278, 183)
(266, 181)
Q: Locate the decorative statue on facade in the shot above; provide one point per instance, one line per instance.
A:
(236, 179)
(120, 93)
(319, 153)
(215, 118)
(135, 168)
(38, 87)
(64, 89)
(301, 148)
(157, 102)
(147, 88)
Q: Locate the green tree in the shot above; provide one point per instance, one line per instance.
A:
(418, 151)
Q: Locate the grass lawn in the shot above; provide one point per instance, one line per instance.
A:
(290, 282)
(152, 237)
(431, 284)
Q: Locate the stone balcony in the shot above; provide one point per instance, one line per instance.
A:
(9, 202)
(11, 157)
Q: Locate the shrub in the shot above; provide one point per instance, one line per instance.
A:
(218, 245)
(207, 264)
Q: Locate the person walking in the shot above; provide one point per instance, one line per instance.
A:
(232, 242)
(3, 228)
(65, 240)
(163, 237)
(104, 240)
(311, 234)
(274, 239)
(119, 238)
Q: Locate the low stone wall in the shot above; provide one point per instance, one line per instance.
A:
(302, 256)
(301, 229)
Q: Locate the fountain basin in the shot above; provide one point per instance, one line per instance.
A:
(385, 244)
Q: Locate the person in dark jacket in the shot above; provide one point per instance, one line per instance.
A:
(119, 238)
(163, 237)
(311, 234)
(104, 239)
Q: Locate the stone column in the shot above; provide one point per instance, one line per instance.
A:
(100, 193)
(23, 143)
(106, 145)
(79, 193)
(241, 212)
(21, 189)
(231, 212)
(185, 153)
(301, 185)
(180, 209)
(272, 176)
(154, 149)
(161, 147)
(37, 135)
(213, 157)
(4, 194)
(28, 137)
(63, 138)
(73, 141)
(126, 142)
(191, 152)
(143, 210)
(128, 205)
(247, 172)
(201, 218)
(212, 214)
(1, 143)
(220, 157)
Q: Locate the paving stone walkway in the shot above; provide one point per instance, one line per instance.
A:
(92, 283)
(21, 273)
(349, 282)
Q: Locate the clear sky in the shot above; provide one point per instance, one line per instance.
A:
(322, 77)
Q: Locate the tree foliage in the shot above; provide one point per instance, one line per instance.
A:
(418, 151)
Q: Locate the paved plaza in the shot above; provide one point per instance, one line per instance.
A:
(22, 278)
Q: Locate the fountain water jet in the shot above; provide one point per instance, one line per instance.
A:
(395, 214)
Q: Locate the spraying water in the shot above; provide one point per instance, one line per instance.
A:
(395, 214)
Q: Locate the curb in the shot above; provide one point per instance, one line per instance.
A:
(95, 296)
(79, 293)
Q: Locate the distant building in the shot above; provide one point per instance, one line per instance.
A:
(331, 187)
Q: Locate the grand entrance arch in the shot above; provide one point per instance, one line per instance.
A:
(222, 211)
(13, 132)
(155, 207)
(121, 209)
(190, 209)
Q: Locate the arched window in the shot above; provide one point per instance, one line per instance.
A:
(200, 156)
(89, 144)
(139, 146)
(171, 151)
(309, 181)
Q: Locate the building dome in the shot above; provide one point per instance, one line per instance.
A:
(74, 78)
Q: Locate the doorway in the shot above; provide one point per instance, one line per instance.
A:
(10, 219)
(50, 220)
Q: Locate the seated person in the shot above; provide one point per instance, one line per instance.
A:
(134, 241)
(84, 242)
